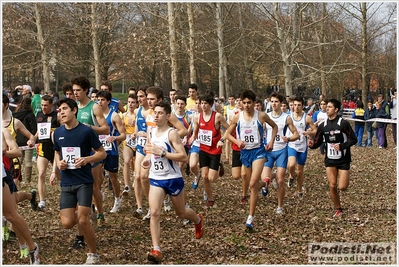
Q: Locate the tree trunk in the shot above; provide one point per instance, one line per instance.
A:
(172, 44)
(285, 56)
(193, 73)
(365, 87)
(96, 50)
(43, 49)
(219, 24)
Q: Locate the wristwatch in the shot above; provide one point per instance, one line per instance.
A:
(163, 154)
(289, 139)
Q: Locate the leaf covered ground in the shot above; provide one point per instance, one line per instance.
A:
(370, 207)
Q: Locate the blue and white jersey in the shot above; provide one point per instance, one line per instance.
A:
(281, 122)
(300, 144)
(110, 148)
(163, 168)
(114, 105)
(141, 127)
(250, 131)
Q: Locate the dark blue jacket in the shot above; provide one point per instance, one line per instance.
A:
(369, 114)
(380, 113)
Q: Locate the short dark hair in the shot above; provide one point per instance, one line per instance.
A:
(66, 87)
(143, 88)
(82, 81)
(107, 95)
(156, 90)
(37, 90)
(248, 94)
(165, 105)
(71, 103)
(108, 84)
(182, 98)
(133, 96)
(207, 98)
(359, 104)
(335, 103)
(279, 96)
(299, 99)
(193, 86)
(47, 98)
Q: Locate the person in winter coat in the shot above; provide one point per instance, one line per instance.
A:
(359, 125)
(381, 126)
(24, 113)
(369, 113)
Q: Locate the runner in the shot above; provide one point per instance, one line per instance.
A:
(165, 152)
(207, 128)
(129, 145)
(110, 143)
(338, 136)
(74, 157)
(27, 246)
(47, 122)
(297, 150)
(279, 154)
(228, 112)
(90, 114)
(248, 125)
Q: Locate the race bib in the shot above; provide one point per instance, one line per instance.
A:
(44, 130)
(141, 141)
(205, 137)
(69, 154)
(130, 142)
(332, 153)
(107, 146)
(159, 165)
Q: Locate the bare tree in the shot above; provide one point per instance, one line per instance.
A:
(193, 74)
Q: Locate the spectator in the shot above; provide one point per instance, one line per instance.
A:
(309, 109)
(36, 101)
(24, 113)
(394, 115)
(359, 125)
(369, 113)
(381, 126)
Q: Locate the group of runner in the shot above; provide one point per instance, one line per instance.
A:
(161, 140)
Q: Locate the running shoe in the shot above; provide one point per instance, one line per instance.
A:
(249, 223)
(35, 256)
(42, 205)
(139, 213)
(205, 196)
(300, 195)
(199, 228)
(147, 217)
(117, 206)
(167, 204)
(209, 203)
(33, 202)
(78, 243)
(338, 213)
(92, 259)
(290, 182)
(103, 195)
(100, 220)
(279, 211)
(5, 232)
(154, 256)
(275, 184)
(265, 191)
(195, 183)
(126, 191)
(24, 251)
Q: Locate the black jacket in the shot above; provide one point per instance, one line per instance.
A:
(28, 119)
(380, 113)
(369, 114)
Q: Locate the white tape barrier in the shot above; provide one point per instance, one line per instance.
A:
(370, 120)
